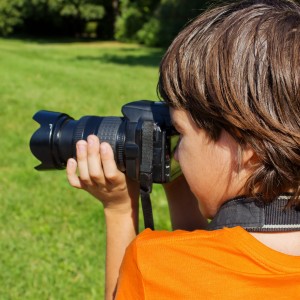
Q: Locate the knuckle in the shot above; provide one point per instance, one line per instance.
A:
(96, 177)
(85, 181)
(112, 176)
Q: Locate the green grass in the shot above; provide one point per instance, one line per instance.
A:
(52, 237)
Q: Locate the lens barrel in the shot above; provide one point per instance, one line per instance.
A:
(55, 141)
(143, 139)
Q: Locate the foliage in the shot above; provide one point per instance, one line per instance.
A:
(169, 18)
(133, 15)
(10, 15)
(106, 25)
(156, 24)
(149, 22)
(56, 17)
(85, 11)
(128, 25)
(52, 236)
(149, 34)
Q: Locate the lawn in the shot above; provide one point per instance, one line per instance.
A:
(52, 237)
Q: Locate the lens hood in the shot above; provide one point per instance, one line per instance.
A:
(43, 141)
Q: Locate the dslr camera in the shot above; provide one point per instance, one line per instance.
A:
(143, 140)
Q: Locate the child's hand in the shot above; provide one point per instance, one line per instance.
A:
(98, 174)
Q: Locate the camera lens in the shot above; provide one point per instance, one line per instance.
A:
(55, 141)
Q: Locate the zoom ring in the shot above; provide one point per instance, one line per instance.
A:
(108, 131)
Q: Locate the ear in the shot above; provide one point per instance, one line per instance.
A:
(248, 156)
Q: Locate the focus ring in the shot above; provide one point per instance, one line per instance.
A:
(108, 131)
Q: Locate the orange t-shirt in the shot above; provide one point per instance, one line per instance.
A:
(221, 264)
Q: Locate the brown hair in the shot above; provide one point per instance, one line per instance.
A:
(237, 67)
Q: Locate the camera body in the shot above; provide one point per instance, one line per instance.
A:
(143, 140)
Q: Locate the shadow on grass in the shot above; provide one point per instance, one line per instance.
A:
(149, 60)
(134, 57)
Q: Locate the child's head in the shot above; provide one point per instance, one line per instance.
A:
(237, 68)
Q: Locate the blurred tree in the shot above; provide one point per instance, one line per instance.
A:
(150, 22)
(60, 17)
(10, 15)
(157, 22)
(106, 25)
(133, 15)
(168, 19)
(50, 17)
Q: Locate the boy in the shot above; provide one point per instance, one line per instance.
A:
(232, 81)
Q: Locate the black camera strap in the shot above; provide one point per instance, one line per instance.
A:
(254, 215)
(146, 173)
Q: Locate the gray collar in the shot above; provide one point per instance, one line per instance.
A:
(254, 215)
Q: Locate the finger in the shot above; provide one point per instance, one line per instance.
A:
(110, 169)
(72, 175)
(94, 160)
(81, 148)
